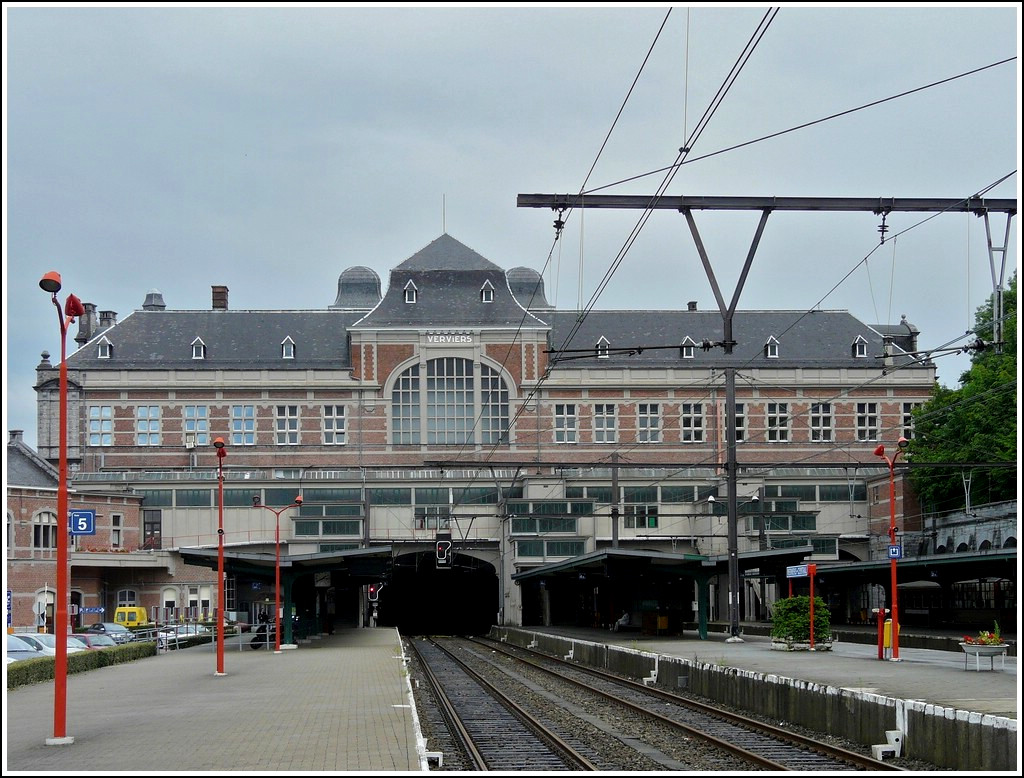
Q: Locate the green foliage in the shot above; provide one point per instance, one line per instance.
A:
(791, 619)
(976, 423)
(30, 671)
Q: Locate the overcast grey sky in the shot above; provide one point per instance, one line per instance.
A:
(269, 148)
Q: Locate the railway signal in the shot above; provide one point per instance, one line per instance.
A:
(444, 553)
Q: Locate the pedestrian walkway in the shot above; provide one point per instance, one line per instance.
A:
(336, 704)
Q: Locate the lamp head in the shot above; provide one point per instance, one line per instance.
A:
(711, 498)
(298, 500)
(218, 444)
(902, 442)
(73, 307)
(50, 282)
(879, 450)
(256, 501)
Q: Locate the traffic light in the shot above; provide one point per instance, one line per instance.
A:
(373, 592)
(444, 553)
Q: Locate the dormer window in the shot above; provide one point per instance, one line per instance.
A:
(602, 348)
(686, 347)
(288, 348)
(411, 292)
(771, 348)
(104, 349)
(198, 349)
(487, 292)
(860, 347)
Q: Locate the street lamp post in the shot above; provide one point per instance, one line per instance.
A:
(222, 452)
(901, 444)
(296, 503)
(73, 307)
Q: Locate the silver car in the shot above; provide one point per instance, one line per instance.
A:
(46, 642)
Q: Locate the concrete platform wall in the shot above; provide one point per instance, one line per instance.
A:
(947, 737)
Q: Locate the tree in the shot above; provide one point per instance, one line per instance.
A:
(974, 427)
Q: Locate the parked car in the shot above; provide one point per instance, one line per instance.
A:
(47, 642)
(119, 632)
(18, 649)
(174, 634)
(94, 639)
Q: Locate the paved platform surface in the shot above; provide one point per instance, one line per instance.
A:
(337, 704)
(930, 676)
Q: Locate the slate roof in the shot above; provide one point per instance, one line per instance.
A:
(26, 468)
(824, 338)
(233, 339)
(448, 277)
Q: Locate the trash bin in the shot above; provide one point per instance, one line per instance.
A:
(887, 633)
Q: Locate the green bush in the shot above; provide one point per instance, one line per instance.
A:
(38, 670)
(791, 619)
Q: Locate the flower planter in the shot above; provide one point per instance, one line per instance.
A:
(779, 644)
(978, 650)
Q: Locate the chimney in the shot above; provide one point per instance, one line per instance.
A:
(86, 324)
(692, 305)
(15, 437)
(107, 320)
(220, 298)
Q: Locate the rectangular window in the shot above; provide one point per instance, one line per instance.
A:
(405, 407)
(193, 498)
(741, 423)
(384, 496)
(908, 419)
(530, 548)
(604, 423)
(334, 425)
(151, 529)
(677, 494)
(286, 422)
(115, 530)
(777, 422)
(243, 425)
(197, 425)
(640, 516)
(821, 421)
(147, 425)
(565, 423)
(101, 425)
(648, 423)
(867, 421)
(564, 548)
(691, 423)
(432, 517)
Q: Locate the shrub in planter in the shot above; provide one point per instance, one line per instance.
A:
(791, 620)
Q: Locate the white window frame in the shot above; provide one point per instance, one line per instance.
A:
(104, 349)
(411, 293)
(776, 422)
(602, 347)
(566, 422)
(771, 348)
(691, 422)
(604, 426)
(686, 348)
(101, 425)
(196, 422)
(867, 422)
(908, 419)
(147, 425)
(487, 292)
(288, 348)
(821, 420)
(243, 425)
(648, 423)
(335, 429)
(741, 422)
(286, 425)
(860, 348)
(198, 349)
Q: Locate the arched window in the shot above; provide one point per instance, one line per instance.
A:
(449, 406)
(126, 598)
(44, 530)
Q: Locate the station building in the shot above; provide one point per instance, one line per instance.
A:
(454, 435)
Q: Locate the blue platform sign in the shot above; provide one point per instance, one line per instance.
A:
(82, 522)
(796, 571)
(895, 552)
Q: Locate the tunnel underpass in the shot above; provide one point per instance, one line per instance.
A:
(422, 599)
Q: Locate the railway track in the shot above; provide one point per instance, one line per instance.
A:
(493, 732)
(767, 746)
(678, 733)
